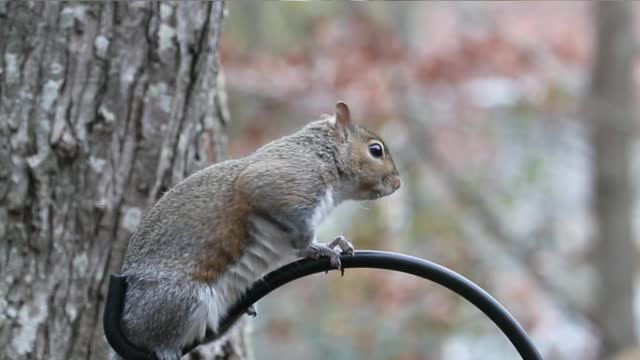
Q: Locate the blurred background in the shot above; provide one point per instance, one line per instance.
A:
(512, 126)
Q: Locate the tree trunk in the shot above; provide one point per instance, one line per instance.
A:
(103, 106)
(612, 119)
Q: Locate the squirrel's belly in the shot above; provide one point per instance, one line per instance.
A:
(206, 314)
(259, 258)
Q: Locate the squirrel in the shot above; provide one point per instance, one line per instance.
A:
(212, 235)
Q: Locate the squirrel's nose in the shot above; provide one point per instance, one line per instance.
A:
(395, 182)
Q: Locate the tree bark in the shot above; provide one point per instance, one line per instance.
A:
(103, 106)
(610, 103)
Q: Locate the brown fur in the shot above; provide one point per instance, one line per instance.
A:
(228, 244)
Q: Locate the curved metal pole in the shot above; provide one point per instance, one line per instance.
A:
(362, 259)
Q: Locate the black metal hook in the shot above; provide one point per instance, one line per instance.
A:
(361, 259)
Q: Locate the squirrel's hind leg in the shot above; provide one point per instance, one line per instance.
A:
(168, 355)
(163, 315)
(161, 355)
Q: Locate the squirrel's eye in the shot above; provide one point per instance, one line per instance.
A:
(376, 150)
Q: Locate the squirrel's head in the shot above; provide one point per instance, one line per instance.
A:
(366, 161)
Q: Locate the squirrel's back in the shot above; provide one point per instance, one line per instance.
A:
(169, 240)
(199, 226)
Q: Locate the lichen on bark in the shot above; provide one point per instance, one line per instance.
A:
(100, 112)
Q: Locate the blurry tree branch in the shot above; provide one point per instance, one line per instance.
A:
(611, 116)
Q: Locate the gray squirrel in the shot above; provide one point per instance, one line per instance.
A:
(211, 236)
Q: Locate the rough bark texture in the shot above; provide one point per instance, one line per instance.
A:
(612, 118)
(103, 106)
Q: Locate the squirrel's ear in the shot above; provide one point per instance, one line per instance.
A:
(343, 116)
(342, 119)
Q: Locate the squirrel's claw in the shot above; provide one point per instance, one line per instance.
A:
(317, 250)
(345, 248)
(251, 311)
(341, 243)
(332, 250)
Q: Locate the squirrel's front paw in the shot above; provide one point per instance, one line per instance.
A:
(317, 250)
(341, 243)
(332, 250)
